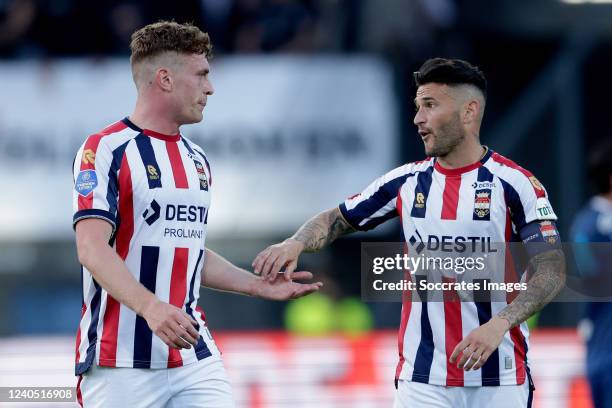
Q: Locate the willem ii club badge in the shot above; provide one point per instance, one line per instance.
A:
(482, 203)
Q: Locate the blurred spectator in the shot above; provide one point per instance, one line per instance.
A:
(273, 25)
(16, 17)
(593, 224)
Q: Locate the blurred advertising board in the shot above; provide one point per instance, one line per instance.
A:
(286, 136)
(277, 370)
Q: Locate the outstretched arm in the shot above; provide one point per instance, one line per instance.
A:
(219, 273)
(546, 282)
(315, 234)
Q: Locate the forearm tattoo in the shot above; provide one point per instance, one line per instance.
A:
(546, 282)
(322, 229)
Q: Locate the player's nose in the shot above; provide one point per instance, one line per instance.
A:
(419, 118)
(209, 89)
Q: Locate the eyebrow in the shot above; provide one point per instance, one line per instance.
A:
(425, 99)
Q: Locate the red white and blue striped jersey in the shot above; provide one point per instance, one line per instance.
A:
(492, 199)
(154, 190)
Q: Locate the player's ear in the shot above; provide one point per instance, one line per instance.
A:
(471, 110)
(163, 79)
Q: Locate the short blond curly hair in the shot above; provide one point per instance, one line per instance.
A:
(163, 36)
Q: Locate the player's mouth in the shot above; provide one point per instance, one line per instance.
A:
(424, 134)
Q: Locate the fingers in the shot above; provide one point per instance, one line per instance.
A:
(289, 271)
(458, 349)
(470, 357)
(191, 326)
(267, 264)
(464, 357)
(302, 275)
(174, 326)
(306, 289)
(182, 332)
(473, 359)
(259, 259)
(483, 359)
(176, 341)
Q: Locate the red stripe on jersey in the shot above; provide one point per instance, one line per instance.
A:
(199, 309)
(79, 396)
(453, 333)
(537, 188)
(519, 353)
(78, 336)
(450, 197)
(108, 347)
(176, 162)
(178, 290)
(108, 343)
(126, 209)
(88, 157)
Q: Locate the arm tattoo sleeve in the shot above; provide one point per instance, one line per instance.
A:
(322, 229)
(546, 282)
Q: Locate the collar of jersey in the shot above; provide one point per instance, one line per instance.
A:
(459, 171)
(152, 133)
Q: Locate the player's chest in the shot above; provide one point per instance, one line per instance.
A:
(170, 183)
(464, 202)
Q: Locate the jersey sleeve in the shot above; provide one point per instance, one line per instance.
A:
(376, 203)
(95, 183)
(532, 214)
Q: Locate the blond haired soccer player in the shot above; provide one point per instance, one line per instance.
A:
(455, 355)
(142, 193)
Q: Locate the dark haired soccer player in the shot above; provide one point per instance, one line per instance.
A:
(468, 354)
(141, 202)
(594, 224)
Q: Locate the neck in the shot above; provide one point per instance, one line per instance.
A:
(149, 116)
(463, 155)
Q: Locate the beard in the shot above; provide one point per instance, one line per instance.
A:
(450, 135)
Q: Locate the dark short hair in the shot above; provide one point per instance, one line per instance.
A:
(163, 36)
(450, 72)
(599, 166)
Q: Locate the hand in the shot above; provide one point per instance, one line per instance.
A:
(281, 289)
(269, 262)
(175, 327)
(476, 348)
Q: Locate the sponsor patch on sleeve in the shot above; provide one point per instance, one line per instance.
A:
(85, 182)
(544, 210)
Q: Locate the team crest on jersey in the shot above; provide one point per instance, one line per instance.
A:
(153, 173)
(201, 174)
(549, 232)
(482, 203)
(419, 200)
(89, 156)
(85, 182)
(536, 183)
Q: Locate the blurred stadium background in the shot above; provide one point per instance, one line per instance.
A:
(313, 100)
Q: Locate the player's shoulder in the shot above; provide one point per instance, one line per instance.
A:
(410, 169)
(111, 136)
(512, 172)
